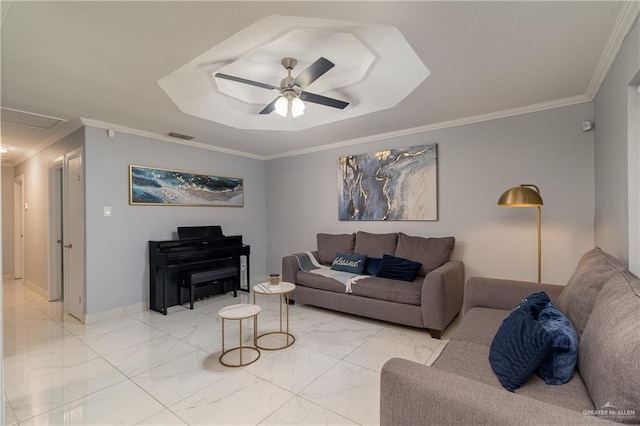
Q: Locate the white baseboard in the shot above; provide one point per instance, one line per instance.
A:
(105, 315)
(36, 288)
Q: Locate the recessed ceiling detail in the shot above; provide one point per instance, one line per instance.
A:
(29, 119)
(375, 69)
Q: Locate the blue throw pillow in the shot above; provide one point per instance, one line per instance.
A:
(518, 348)
(534, 303)
(372, 265)
(558, 366)
(353, 263)
(398, 268)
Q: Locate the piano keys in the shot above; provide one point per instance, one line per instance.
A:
(199, 248)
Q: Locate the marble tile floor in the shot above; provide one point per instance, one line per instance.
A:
(150, 369)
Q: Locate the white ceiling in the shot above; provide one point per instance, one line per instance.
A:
(101, 61)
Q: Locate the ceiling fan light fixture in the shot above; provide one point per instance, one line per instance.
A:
(282, 106)
(297, 107)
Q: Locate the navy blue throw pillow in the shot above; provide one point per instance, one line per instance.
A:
(558, 366)
(353, 263)
(398, 268)
(372, 265)
(518, 348)
(534, 303)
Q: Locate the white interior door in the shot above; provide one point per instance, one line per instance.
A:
(18, 229)
(56, 267)
(73, 212)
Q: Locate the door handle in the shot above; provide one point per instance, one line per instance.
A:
(70, 245)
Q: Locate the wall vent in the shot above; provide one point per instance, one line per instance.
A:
(180, 136)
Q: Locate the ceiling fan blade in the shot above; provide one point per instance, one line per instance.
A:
(314, 72)
(245, 81)
(270, 108)
(323, 100)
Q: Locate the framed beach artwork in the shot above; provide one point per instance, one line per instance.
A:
(151, 186)
(394, 184)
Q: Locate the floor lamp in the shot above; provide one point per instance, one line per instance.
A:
(525, 196)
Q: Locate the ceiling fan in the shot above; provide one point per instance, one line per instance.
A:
(291, 89)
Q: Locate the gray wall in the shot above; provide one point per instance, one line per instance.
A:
(611, 151)
(7, 221)
(476, 163)
(36, 195)
(117, 254)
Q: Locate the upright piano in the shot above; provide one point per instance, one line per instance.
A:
(198, 248)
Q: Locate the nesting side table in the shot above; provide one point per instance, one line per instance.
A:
(239, 312)
(283, 291)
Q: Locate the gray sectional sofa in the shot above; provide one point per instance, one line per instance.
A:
(431, 301)
(602, 300)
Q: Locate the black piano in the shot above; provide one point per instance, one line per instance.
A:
(199, 250)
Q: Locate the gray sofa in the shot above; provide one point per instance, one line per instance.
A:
(602, 300)
(431, 301)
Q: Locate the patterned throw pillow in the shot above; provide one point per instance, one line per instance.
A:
(353, 263)
(518, 348)
(557, 368)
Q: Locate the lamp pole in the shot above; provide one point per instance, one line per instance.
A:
(539, 245)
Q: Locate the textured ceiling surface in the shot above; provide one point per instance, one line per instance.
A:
(102, 61)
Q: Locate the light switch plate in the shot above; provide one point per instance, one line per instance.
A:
(107, 211)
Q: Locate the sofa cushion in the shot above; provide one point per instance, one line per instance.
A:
(557, 368)
(480, 325)
(398, 268)
(593, 270)
(375, 245)
(331, 244)
(518, 348)
(373, 288)
(309, 279)
(608, 354)
(471, 360)
(353, 263)
(390, 290)
(430, 252)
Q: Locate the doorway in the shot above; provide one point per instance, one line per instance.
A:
(18, 229)
(55, 235)
(73, 234)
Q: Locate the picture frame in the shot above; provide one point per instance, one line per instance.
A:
(149, 186)
(389, 185)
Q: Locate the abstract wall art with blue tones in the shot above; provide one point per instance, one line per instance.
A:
(395, 184)
(170, 187)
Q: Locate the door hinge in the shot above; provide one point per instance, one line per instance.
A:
(80, 300)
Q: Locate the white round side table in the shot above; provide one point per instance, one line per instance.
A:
(238, 313)
(283, 291)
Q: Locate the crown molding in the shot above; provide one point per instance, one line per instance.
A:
(628, 15)
(158, 136)
(365, 139)
(574, 100)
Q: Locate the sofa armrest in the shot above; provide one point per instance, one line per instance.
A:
(290, 267)
(414, 394)
(503, 294)
(442, 294)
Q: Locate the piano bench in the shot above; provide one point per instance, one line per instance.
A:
(194, 279)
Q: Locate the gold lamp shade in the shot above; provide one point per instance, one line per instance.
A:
(525, 196)
(521, 196)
